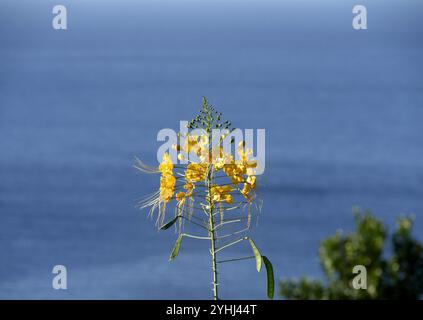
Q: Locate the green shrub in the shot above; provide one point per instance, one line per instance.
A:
(399, 276)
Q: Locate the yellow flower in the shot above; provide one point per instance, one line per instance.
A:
(191, 143)
(244, 154)
(221, 193)
(228, 198)
(235, 172)
(249, 185)
(222, 160)
(167, 187)
(189, 187)
(195, 172)
(167, 180)
(166, 165)
(251, 180)
(180, 196)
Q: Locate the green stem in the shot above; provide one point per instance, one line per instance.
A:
(214, 261)
(209, 178)
(195, 237)
(231, 244)
(208, 184)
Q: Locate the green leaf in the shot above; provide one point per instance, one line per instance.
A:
(176, 248)
(270, 277)
(257, 254)
(168, 224)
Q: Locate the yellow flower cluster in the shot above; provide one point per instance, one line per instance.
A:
(221, 193)
(194, 144)
(196, 172)
(238, 171)
(181, 196)
(249, 187)
(167, 180)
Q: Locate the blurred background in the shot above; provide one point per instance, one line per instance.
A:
(342, 111)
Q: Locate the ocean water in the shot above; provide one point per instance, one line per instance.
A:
(342, 110)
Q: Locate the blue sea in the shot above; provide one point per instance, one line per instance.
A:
(342, 109)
